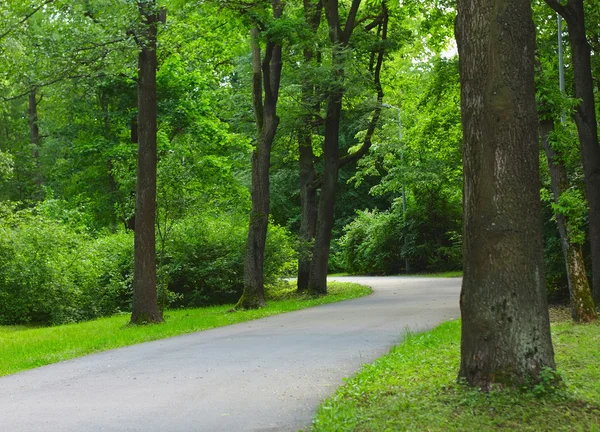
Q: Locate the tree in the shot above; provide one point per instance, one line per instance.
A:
(145, 305)
(266, 79)
(582, 304)
(339, 39)
(505, 323)
(587, 126)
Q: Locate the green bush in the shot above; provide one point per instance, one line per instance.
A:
(51, 273)
(378, 242)
(205, 258)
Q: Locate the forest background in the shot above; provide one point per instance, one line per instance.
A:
(68, 142)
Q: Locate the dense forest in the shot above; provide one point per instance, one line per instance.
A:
(179, 153)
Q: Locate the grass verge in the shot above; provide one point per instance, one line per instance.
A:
(26, 348)
(414, 388)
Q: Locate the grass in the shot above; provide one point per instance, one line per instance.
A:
(414, 388)
(26, 348)
(448, 274)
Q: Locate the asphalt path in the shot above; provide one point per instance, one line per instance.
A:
(263, 375)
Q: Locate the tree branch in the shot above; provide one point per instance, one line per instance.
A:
(349, 28)
(558, 8)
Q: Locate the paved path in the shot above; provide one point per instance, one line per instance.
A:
(264, 375)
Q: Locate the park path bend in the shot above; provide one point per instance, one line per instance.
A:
(263, 375)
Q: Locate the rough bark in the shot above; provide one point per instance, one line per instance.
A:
(505, 324)
(587, 126)
(266, 79)
(582, 305)
(145, 306)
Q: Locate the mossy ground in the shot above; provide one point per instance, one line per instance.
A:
(414, 388)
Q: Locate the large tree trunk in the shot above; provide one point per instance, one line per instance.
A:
(145, 305)
(587, 127)
(582, 305)
(505, 323)
(266, 77)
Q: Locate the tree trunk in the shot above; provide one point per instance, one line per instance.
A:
(308, 207)
(266, 77)
(582, 305)
(34, 136)
(308, 173)
(505, 323)
(320, 259)
(145, 305)
(587, 127)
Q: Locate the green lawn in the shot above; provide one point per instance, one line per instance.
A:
(25, 347)
(414, 388)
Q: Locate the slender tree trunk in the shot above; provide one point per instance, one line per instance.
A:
(582, 305)
(308, 173)
(505, 323)
(308, 207)
(34, 136)
(266, 78)
(145, 305)
(331, 159)
(587, 126)
(320, 259)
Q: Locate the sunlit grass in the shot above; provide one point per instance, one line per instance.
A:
(24, 348)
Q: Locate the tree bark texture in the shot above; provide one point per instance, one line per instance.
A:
(266, 79)
(587, 126)
(582, 305)
(145, 305)
(505, 324)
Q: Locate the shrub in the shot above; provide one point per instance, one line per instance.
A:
(378, 242)
(51, 273)
(205, 258)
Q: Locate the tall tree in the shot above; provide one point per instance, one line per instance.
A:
(587, 126)
(266, 80)
(505, 323)
(339, 38)
(582, 305)
(145, 305)
(306, 157)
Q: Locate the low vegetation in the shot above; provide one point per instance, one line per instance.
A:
(414, 388)
(26, 347)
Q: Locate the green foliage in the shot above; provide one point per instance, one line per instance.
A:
(52, 273)
(205, 258)
(414, 388)
(372, 243)
(378, 242)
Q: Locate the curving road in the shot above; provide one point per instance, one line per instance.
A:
(263, 375)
